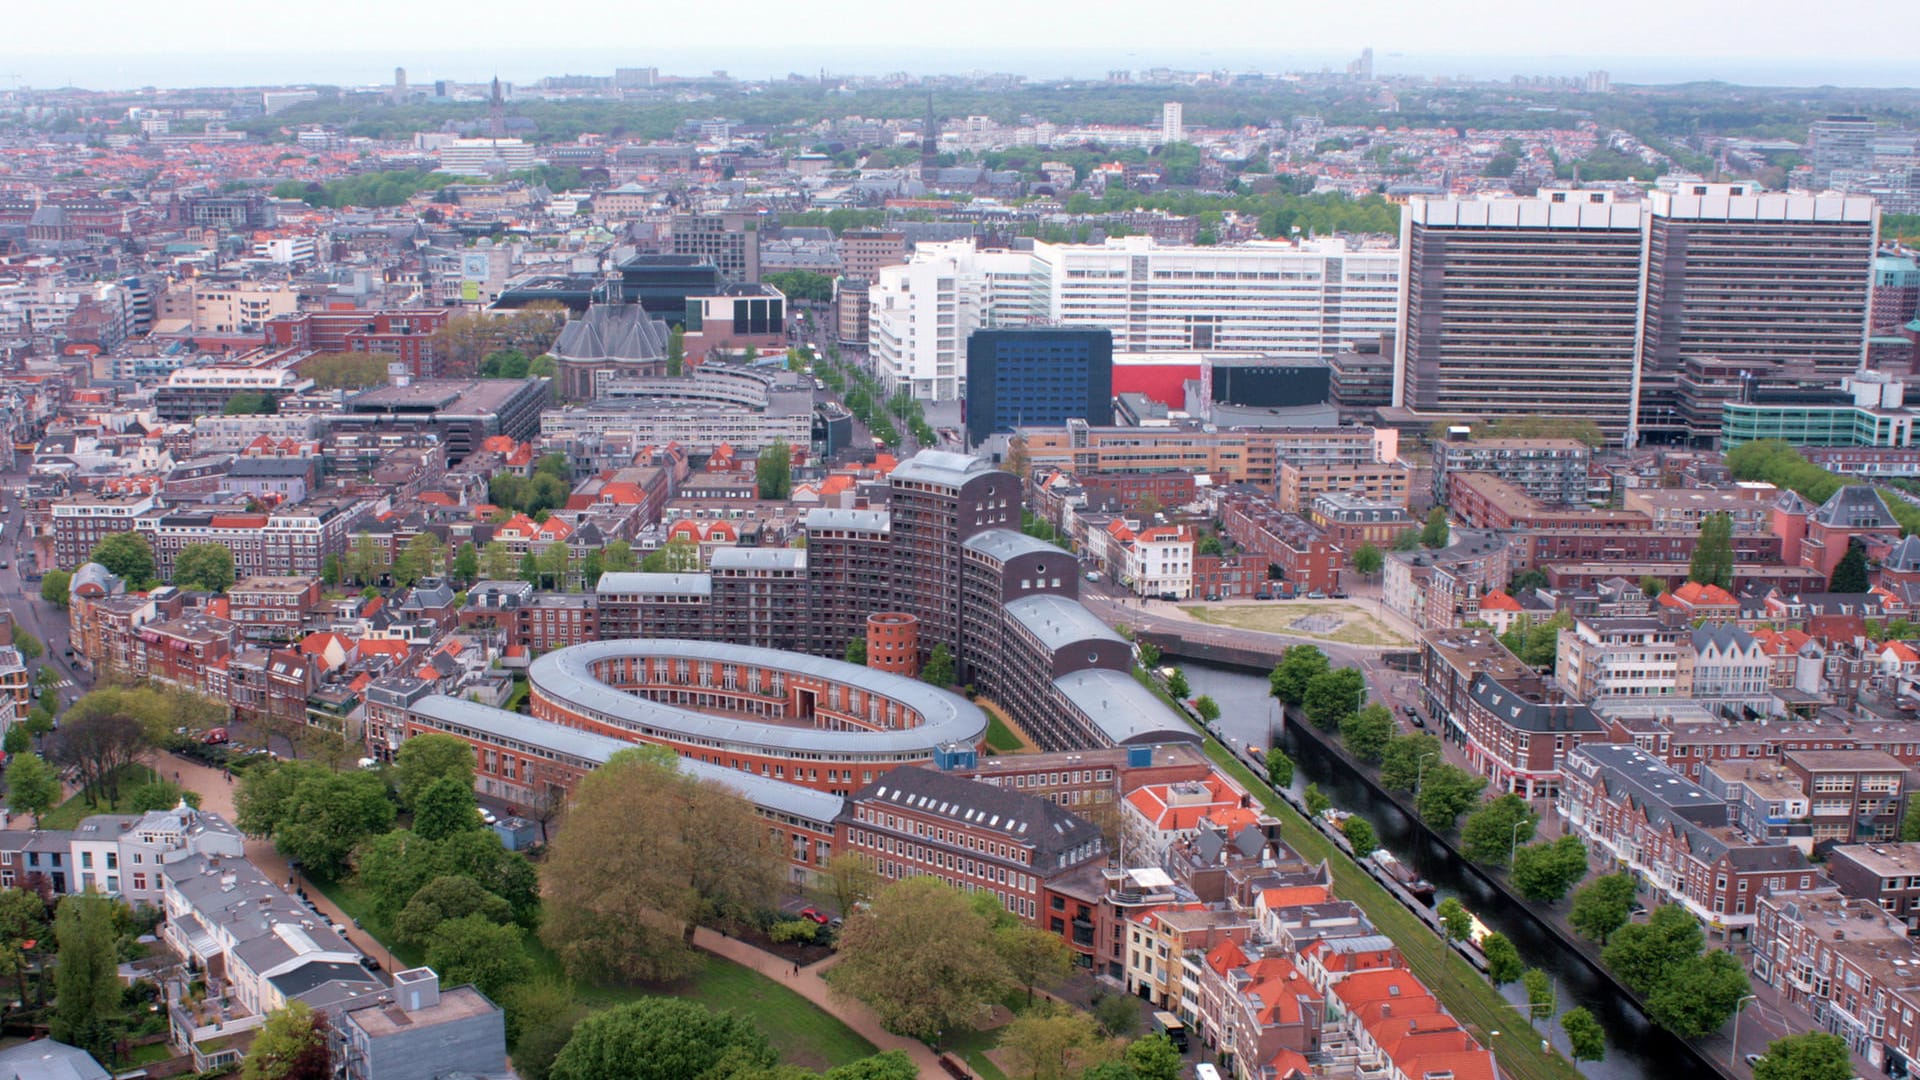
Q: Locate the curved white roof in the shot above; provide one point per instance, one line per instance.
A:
(566, 676)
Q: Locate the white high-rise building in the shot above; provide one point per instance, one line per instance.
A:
(922, 312)
(1172, 128)
(1280, 299)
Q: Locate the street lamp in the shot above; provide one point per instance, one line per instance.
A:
(1420, 773)
(1733, 1052)
(1514, 849)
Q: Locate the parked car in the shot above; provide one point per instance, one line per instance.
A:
(486, 815)
(1263, 596)
(214, 736)
(814, 915)
(1316, 595)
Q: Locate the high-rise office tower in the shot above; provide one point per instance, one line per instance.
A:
(1740, 276)
(721, 239)
(1040, 376)
(1514, 307)
(1843, 143)
(1173, 127)
(399, 86)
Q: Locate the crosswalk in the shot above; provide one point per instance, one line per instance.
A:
(63, 684)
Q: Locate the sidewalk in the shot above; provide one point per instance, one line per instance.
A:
(809, 984)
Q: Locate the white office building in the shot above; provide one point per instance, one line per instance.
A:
(922, 312)
(1284, 300)
(1172, 126)
(485, 157)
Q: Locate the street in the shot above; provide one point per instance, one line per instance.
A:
(22, 598)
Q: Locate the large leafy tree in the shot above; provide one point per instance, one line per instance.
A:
(291, 1045)
(1332, 696)
(99, 743)
(475, 949)
(621, 901)
(1712, 561)
(1696, 997)
(1545, 871)
(444, 808)
(444, 899)
(540, 1019)
(1405, 760)
(56, 587)
(1503, 960)
(1455, 921)
(921, 984)
(660, 1039)
(1813, 1055)
(426, 758)
(128, 556)
(1435, 534)
(1602, 906)
(32, 786)
(1446, 792)
(204, 566)
(1641, 955)
(87, 1007)
(1587, 1041)
(1491, 832)
(773, 470)
(1297, 667)
(1056, 1043)
(327, 814)
(1367, 731)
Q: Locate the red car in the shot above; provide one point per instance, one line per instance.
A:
(813, 915)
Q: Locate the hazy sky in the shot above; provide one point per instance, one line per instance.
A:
(742, 35)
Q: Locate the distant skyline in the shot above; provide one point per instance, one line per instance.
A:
(51, 43)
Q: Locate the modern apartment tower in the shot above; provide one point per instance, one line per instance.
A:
(1842, 144)
(1513, 307)
(1741, 276)
(1040, 376)
(1173, 127)
(921, 312)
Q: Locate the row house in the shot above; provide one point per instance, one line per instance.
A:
(1846, 962)
(294, 541)
(1887, 875)
(1485, 501)
(1443, 588)
(1298, 485)
(1727, 668)
(82, 521)
(117, 855)
(1620, 658)
(1649, 819)
(1520, 731)
(1265, 1017)
(1577, 543)
(1450, 662)
(1303, 554)
(1229, 577)
(1688, 737)
(1855, 796)
(272, 608)
(1385, 1023)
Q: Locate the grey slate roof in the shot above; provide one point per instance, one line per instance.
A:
(1004, 544)
(1905, 556)
(826, 517)
(634, 581)
(1855, 506)
(1050, 828)
(45, 1059)
(940, 467)
(1058, 621)
(759, 558)
(612, 332)
(1527, 715)
(1122, 709)
(566, 675)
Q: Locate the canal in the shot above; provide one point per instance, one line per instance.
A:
(1635, 1048)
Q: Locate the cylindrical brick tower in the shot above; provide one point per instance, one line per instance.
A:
(893, 643)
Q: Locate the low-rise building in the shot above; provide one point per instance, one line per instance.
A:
(1886, 875)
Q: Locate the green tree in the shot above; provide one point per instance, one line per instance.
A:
(1033, 956)
(266, 793)
(1910, 824)
(1587, 1041)
(444, 899)
(1527, 581)
(331, 569)
(1812, 1055)
(251, 405)
(1503, 960)
(1177, 685)
(677, 351)
(87, 1007)
(773, 471)
(1359, 833)
(1315, 800)
(1641, 955)
(1149, 654)
(540, 1018)
(466, 563)
(1602, 906)
(290, 1045)
(1054, 1043)
(1712, 562)
(1406, 540)
(856, 651)
(1696, 997)
(1540, 997)
(426, 758)
(1368, 560)
(1279, 768)
(475, 949)
(328, 814)
(1537, 644)
(1153, 1057)
(939, 668)
(207, 567)
(128, 556)
(1404, 761)
(1208, 708)
(1435, 534)
(32, 786)
(1332, 696)
(56, 587)
(423, 557)
(23, 921)
(1490, 833)
(1366, 732)
(1446, 792)
(1652, 585)
(678, 555)
(1545, 871)
(920, 984)
(1455, 921)
(1297, 668)
(1850, 576)
(29, 646)
(660, 1038)
(366, 560)
(445, 807)
(618, 557)
(1119, 1014)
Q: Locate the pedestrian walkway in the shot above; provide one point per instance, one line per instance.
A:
(809, 983)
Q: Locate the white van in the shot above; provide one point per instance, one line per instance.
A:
(1204, 1071)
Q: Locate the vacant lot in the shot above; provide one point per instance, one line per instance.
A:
(1328, 620)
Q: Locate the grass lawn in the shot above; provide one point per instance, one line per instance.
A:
(972, 1046)
(68, 814)
(804, 1034)
(1278, 617)
(150, 1054)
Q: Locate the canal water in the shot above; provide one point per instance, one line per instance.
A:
(1635, 1048)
